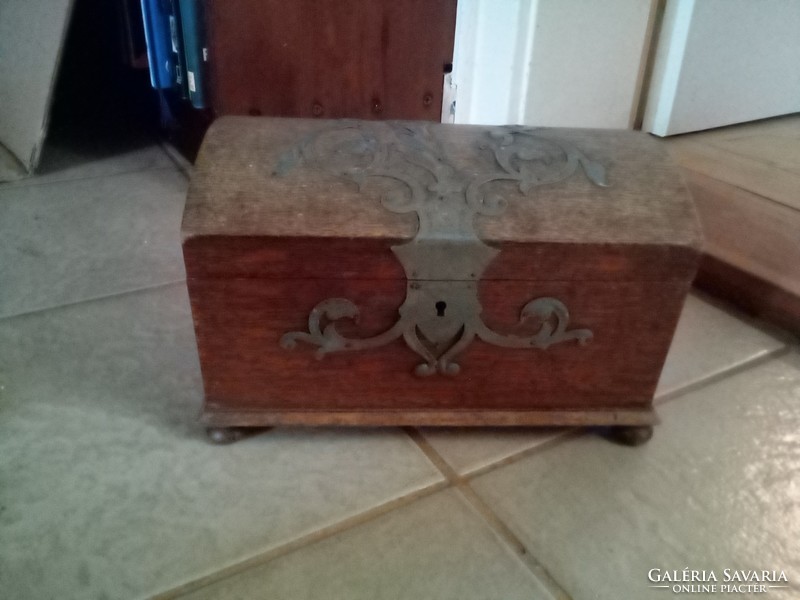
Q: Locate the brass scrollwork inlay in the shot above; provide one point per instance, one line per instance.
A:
(441, 314)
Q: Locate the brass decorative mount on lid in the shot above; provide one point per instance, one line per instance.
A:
(446, 258)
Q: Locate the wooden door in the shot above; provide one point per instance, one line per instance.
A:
(367, 59)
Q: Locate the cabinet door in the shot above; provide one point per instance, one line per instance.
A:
(554, 63)
(379, 59)
(721, 62)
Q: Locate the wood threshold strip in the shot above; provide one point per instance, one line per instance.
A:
(751, 293)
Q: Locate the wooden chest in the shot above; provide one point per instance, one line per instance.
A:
(386, 273)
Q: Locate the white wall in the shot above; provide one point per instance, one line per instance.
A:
(31, 37)
(720, 62)
(570, 63)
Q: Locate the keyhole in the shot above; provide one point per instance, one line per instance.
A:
(441, 305)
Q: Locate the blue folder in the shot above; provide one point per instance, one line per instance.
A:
(155, 14)
(194, 43)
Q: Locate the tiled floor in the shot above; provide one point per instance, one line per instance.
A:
(108, 488)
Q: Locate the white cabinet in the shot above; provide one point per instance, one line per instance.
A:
(567, 63)
(721, 62)
(579, 63)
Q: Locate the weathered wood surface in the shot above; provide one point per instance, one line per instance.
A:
(234, 190)
(746, 185)
(382, 59)
(749, 232)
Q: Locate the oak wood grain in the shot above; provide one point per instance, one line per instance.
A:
(239, 323)
(756, 296)
(745, 181)
(749, 232)
(566, 418)
(309, 258)
(382, 59)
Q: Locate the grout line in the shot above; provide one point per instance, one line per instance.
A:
(32, 184)
(308, 539)
(561, 437)
(148, 288)
(505, 533)
(720, 375)
(502, 530)
(438, 461)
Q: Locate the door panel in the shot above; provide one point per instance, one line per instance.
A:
(382, 59)
(721, 62)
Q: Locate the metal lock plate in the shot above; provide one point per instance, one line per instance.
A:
(441, 314)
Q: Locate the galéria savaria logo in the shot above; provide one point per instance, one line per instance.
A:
(726, 581)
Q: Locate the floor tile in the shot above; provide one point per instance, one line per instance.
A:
(109, 490)
(469, 449)
(181, 162)
(74, 240)
(708, 341)
(716, 488)
(436, 547)
(10, 168)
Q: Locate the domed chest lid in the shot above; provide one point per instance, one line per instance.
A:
(444, 197)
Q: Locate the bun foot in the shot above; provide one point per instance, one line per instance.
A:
(630, 435)
(224, 435)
